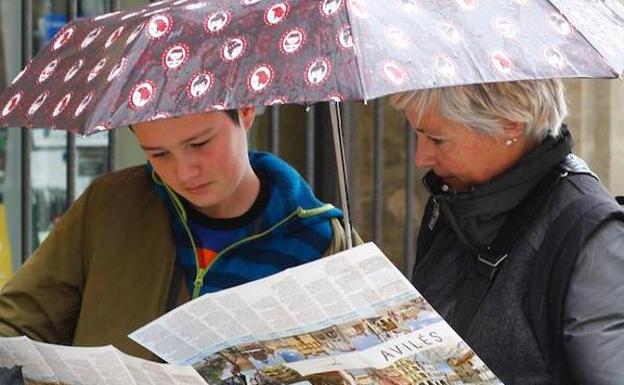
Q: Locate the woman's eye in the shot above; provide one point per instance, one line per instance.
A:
(436, 141)
(159, 155)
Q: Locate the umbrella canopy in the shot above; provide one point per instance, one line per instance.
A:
(178, 57)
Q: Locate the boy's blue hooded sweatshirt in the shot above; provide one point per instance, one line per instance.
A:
(294, 228)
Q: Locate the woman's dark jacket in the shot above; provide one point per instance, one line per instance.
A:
(500, 331)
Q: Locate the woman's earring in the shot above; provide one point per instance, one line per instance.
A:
(511, 141)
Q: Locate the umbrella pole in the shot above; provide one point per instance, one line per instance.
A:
(341, 164)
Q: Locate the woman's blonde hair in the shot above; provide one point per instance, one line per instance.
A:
(538, 104)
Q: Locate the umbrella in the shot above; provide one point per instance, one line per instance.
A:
(177, 57)
(184, 56)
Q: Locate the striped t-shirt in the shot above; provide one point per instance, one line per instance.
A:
(213, 235)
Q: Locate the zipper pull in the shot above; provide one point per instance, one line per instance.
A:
(435, 214)
(197, 287)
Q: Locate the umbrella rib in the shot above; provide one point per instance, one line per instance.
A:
(616, 74)
(469, 54)
(357, 52)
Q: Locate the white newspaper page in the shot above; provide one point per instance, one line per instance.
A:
(54, 358)
(152, 373)
(22, 351)
(66, 365)
(345, 319)
(73, 365)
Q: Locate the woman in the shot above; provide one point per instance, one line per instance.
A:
(501, 179)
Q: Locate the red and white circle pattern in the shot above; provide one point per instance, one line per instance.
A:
(317, 71)
(410, 5)
(233, 48)
(218, 21)
(554, 57)
(135, 33)
(359, 9)
(83, 104)
(175, 56)
(467, 4)
(74, 70)
(449, 32)
(12, 104)
(560, 24)
(116, 70)
(63, 38)
(34, 107)
(394, 73)
(501, 62)
(260, 78)
(199, 84)
(48, 71)
(113, 37)
(142, 94)
(159, 26)
(61, 105)
(344, 37)
(91, 37)
(292, 40)
(505, 27)
(95, 71)
(330, 7)
(276, 13)
(445, 66)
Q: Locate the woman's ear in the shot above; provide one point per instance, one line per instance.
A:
(513, 130)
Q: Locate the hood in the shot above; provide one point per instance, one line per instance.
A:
(289, 191)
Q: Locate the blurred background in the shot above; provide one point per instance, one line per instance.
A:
(43, 171)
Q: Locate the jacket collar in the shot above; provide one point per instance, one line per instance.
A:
(289, 192)
(480, 212)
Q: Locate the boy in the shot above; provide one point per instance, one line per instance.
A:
(203, 215)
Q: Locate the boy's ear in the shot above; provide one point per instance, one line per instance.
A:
(246, 116)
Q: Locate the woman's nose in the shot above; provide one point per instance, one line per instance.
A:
(424, 156)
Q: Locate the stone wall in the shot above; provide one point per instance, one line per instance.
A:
(597, 121)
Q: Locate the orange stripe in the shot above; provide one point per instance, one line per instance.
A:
(205, 257)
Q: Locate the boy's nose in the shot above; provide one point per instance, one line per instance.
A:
(186, 170)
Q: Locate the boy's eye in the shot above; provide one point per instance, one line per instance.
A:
(159, 155)
(196, 145)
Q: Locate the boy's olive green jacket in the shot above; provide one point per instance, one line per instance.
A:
(104, 271)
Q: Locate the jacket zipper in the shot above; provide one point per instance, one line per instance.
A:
(435, 214)
(201, 272)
